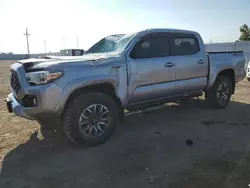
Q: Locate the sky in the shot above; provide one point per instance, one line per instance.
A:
(61, 22)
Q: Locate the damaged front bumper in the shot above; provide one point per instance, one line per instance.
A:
(14, 106)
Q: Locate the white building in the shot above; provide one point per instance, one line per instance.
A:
(230, 46)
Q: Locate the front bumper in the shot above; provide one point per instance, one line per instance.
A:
(47, 102)
(14, 106)
(47, 98)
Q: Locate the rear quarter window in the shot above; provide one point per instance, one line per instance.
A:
(183, 45)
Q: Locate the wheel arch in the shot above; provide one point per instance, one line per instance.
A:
(105, 87)
(228, 72)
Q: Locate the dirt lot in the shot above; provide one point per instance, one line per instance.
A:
(187, 145)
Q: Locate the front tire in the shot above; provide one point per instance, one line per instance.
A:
(220, 93)
(90, 118)
(248, 79)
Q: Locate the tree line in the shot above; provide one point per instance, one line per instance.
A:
(245, 33)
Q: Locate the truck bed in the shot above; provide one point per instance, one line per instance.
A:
(228, 60)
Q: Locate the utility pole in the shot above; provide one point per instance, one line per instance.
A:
(27, 38)
(77, 42)
(45, 48)
(63, 43)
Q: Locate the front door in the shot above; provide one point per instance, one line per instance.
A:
(151, 71)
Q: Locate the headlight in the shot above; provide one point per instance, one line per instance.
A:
(42, 77)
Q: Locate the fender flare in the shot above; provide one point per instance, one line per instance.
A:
(216, 72)
(83, 82)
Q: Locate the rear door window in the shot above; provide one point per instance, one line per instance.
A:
(184, 45)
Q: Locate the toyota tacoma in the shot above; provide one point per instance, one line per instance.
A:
(86, 96)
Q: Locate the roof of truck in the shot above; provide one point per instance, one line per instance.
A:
(167, 30)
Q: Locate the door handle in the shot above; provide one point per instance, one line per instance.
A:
(169, 64)
(116, 66)
(201, 61)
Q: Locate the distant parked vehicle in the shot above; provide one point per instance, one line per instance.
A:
(85, 96)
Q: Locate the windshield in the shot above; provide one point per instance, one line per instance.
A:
(112, 43)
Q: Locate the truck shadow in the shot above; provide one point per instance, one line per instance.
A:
(158, 147)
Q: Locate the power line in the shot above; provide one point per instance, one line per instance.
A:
(27, 38)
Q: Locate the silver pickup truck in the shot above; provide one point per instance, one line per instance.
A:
(86, 96)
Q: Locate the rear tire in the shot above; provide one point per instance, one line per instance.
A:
(220, 94)
(90, 118)
(248, 79)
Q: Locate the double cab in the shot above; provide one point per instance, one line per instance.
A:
(85, 96)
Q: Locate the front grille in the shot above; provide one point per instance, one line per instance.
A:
(14, 82)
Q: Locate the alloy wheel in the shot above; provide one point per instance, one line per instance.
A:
(94, 120)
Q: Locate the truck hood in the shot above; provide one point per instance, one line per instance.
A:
(37, 64)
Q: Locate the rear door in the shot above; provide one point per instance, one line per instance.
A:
(190, 61)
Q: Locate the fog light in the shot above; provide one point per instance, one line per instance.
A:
(29, 101)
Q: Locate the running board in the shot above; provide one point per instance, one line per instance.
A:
(161, 101)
